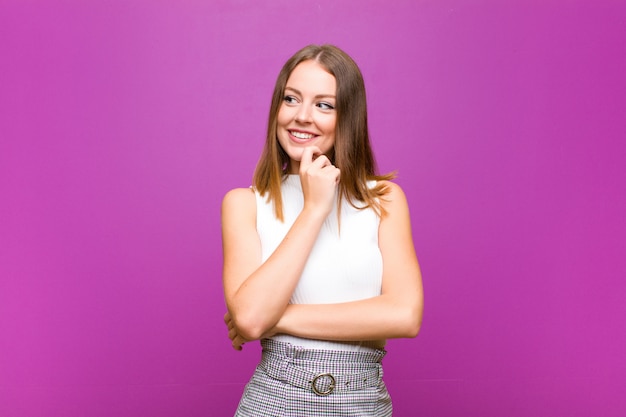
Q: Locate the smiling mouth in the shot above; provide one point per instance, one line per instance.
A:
(301, 135)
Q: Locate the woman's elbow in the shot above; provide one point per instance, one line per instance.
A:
(412, 322)
(413, 329)
(250, 326)
(416, 313)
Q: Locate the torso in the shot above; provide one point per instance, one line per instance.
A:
(344, 265)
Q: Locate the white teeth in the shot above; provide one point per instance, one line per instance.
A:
(301, 135)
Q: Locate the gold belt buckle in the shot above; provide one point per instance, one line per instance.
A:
(327, 391)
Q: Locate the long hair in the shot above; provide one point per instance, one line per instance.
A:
(351, 152)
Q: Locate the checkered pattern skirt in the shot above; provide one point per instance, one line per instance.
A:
(292, 381)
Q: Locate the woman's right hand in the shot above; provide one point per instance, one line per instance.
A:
(319, 179)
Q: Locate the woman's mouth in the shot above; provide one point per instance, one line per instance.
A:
(301, 135)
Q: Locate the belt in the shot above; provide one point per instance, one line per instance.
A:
(324, 383)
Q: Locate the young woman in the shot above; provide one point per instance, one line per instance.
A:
(319, 262)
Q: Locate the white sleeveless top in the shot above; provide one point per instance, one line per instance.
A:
(340, 268)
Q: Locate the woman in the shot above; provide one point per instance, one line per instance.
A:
(319, 262)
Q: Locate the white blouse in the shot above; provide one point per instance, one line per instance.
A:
(342, 267)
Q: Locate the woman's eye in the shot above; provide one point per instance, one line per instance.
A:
(325, 106)
(289, 99)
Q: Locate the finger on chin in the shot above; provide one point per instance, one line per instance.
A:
(310, 154)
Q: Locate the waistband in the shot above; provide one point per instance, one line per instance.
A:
(353, 346)
(321, 371)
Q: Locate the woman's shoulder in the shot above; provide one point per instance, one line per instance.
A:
(388, 187)
(239, 199)
(241, 192)
(393, 194)
(390, 184)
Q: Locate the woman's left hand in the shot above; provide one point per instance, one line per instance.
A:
(236, 339)
(234, 336)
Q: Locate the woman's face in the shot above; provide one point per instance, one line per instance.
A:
(307, 115)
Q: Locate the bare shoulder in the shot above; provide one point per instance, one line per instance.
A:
(239, 201)
(394, 198)
(239, 195)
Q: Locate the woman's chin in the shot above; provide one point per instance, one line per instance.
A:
(295, 154)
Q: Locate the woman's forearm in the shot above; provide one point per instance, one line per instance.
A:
(259, 302)
(381, 317)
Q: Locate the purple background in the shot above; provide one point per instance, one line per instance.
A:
(123, 123)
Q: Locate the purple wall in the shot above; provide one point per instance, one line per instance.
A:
(122, 124)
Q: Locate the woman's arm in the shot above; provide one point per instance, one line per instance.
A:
(396, 313)
(257, 293)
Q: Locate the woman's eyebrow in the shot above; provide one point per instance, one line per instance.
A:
(295, 90)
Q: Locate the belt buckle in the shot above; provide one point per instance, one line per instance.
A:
(327, 391)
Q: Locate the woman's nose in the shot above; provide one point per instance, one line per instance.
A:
(304, 114)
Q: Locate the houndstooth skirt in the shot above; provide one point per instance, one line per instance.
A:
(292, 381)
